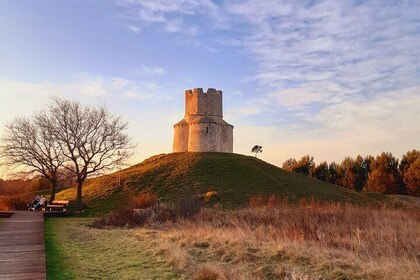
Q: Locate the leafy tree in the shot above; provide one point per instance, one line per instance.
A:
(407, 159)
(354, 175)
(412, 178)
(256, 149)
(348, 177)
(304, 166)
(321, 171)
(384, 176)
(289, 163)
(333, 176)
(366, 165)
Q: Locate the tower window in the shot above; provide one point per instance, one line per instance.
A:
(207, 129)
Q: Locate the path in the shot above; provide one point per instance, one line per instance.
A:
(22, 246)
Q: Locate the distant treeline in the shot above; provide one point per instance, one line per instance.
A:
(20, 186)
(383, 173)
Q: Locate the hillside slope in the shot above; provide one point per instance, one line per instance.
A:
(235, 177)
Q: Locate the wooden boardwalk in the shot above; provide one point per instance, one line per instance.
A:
(22, 246)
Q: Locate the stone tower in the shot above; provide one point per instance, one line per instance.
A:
(203, 128)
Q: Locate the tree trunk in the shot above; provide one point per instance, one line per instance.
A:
(53, 188)
(79, 196)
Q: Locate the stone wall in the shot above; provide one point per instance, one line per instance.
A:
(203, 128)
(202, 103)
(181, 134)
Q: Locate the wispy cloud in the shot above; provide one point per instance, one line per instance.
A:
(359, 47)
(173, 16)
(134, 28)
(147, 91)
(328, 77)
(82, 86)
(151, 70)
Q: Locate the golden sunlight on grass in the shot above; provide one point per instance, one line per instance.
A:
(76, 251)
(293, 242)
(309, 240)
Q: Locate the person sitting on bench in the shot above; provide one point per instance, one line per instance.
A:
(40, 202)
(36, 200)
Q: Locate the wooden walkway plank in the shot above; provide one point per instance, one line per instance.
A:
(22, 246)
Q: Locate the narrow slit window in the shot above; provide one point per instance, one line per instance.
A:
(207, 129)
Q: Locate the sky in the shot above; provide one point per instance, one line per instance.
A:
(325, 78)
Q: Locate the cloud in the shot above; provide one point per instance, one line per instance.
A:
(361, 46)
(82, 85)
(332, 73)
(151, 70)
(345, 73)
(147, 91)
(133, 28)
(387, 122)
(172, 16)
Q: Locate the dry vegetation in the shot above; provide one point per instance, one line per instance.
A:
(16, 194)
(270, 239)
(16, 202)
(310, 240)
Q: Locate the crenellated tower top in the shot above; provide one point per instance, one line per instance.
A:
(202, 103)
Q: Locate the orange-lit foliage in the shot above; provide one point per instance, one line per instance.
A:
(15, 202)
(14, 187)
(17, 193)
(144, 200)
(381, 174)
(210, 196)
(412, 178)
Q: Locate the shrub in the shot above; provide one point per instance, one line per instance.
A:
(140, 215)
(210, 196)
(210, 272)
(121, 218)
(144, 200)
(127, 217)
(187, 207)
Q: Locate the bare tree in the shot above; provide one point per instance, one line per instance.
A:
(91, 138)
(28, 146)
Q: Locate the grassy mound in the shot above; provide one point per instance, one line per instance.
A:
(234, 177)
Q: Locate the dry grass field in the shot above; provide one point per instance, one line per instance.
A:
(308, 241)
(269, 240)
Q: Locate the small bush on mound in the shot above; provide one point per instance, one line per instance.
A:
(155, 215)
(188, 207)
(144, 200)
(127, 217)
(210, 196)
(120, 218)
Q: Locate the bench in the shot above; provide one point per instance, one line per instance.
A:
(57, 205)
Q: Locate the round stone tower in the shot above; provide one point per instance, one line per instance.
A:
(203, 128)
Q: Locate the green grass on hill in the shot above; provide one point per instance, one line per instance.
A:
(235, 177)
